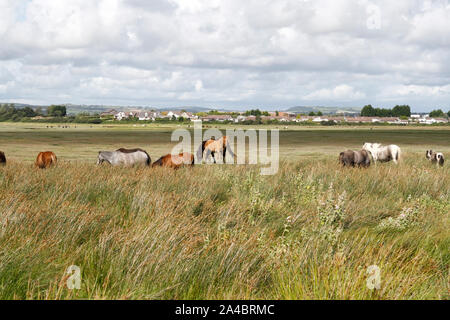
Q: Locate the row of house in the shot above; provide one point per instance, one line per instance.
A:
(273, 116)
(149, 115)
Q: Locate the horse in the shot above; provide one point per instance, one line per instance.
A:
(45, 159)
(175, 161)
(352, 158)
(126, 157)
(435, 157)
(383, 153)
(212, 147)
(2, 158)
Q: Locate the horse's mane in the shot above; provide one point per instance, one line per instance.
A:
(159, 162)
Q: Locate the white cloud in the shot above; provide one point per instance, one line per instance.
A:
(342, 92)
(225, 52)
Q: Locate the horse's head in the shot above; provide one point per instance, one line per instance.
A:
(102, 156)
(367, 146)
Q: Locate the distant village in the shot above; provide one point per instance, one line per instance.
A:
(278, 116)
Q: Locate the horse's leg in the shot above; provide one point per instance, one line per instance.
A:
(213, 155)
(224, 153)
(208, 152)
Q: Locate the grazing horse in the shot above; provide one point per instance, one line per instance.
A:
(175, 161)
(126, 157)
(212, 147)
(435, 157)
(383, 153)
(2, 158)
(352, 158)
(45, 159)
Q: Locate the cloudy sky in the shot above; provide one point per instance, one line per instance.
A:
(230, 53)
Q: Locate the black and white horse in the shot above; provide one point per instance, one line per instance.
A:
(435, 157)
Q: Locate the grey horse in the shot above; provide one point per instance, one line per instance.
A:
(352, 158)
(124, 157)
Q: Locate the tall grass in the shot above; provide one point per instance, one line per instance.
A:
(225, 232)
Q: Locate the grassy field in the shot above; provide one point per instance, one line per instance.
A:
(225, 232)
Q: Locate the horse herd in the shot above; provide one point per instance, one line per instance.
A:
(132, 157)
(373, 152)
(370, 153)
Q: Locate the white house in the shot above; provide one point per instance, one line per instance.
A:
(123, 115)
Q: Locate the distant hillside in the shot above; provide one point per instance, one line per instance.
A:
(304, 109)
(72, 108)
(75, 108)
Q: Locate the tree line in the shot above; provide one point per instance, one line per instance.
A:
(397, 111)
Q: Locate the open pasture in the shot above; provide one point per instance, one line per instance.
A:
(223, 232)
(22, 141)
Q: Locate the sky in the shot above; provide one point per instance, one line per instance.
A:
(232, 54)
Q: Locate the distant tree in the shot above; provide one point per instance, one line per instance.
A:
(253, 112)
(28, 112)
(38, 111)
(277, 113)
(265, 113)
(319, 113)
(383, 112)
(403, 110)
(312, 114)
(437, 113)
(368, 111)
(57, 111)
(448, 114)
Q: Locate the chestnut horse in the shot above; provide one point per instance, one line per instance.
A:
(212, 147)
(2, 158)
(175, 161)
(45, 159)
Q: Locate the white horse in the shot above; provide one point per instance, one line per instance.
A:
(383, 153)
(125, 157)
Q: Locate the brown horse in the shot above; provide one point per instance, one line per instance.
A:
(45, 159)
(2, 158)
(212, 147)
(175, 161)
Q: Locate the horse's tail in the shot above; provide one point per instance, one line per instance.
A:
(38, 163)
(54, 158)
(149, 160)
(201, 150)
(228, 147)
(399, 154)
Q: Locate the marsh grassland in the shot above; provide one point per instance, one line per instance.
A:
(223, 232)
